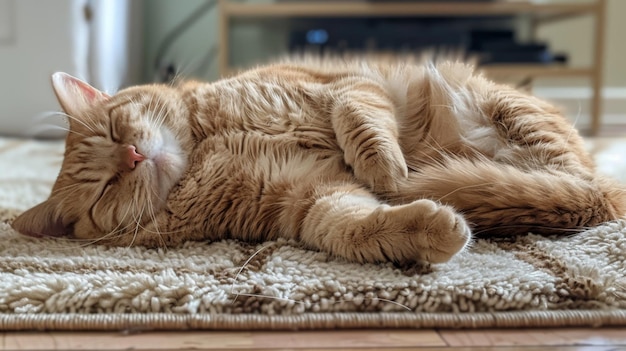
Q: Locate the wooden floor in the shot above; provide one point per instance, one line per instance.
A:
(546, 339)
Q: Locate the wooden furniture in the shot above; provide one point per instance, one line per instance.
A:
(540, 13)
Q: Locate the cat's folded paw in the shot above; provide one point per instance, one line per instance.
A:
(381, 167)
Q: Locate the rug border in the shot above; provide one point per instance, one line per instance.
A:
(310, 321)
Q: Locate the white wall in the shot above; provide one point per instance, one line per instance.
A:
(38, 38)
(35, 41)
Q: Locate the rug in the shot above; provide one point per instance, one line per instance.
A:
(529, 280)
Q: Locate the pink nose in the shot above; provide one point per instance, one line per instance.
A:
(132, 157)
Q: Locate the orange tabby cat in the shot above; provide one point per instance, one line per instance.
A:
(367, 160)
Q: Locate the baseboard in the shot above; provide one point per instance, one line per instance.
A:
(576, 103)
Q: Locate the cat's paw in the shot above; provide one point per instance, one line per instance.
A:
(435, 232)
(381, 166)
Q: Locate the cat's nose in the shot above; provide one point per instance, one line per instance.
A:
(132, 157)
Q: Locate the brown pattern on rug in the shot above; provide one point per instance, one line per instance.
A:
(578, 291)
(8, 214)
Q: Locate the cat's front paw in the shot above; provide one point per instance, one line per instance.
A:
(435, 232)
(381, 166)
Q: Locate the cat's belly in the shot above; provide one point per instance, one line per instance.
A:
(237, 186)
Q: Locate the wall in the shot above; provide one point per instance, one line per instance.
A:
(38, 38)
(194, 52)
(575, 37)
(35, 41)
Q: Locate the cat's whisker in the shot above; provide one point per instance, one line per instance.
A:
(154, 221)
(178, 77)
(480, 185)
(81, 121)
(438, 149)
(244, 266)
(237, 294)
(70, 190)
(162, 233)
(553, 229)
(86, 242)
(573, 128)
(36, 130)
(384, 300)
(133, 101)
(47, 114)
(119, 229)
(137, 218)
(181, 72)
(44, 115)
(450, 107)
(150, 108)
(161, 116)
(158, 120)
(58, 113)
(425, 155)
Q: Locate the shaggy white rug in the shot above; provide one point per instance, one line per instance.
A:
(57, 284)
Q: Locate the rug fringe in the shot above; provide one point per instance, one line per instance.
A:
(161, 321)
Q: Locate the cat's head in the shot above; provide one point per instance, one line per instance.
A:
(123, 155)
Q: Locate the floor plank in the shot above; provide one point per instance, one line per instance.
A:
(121, 341)
(361, 339)
(536, 337)
(349, 339)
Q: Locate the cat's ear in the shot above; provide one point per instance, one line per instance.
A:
(42, 220)
(74, 95)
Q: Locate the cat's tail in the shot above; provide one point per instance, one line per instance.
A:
(499, 199)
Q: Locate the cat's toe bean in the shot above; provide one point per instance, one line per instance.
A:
(447, 234)
(437, 232)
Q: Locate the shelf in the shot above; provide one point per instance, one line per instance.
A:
(400, 9)
(540, 13)
(536, 71)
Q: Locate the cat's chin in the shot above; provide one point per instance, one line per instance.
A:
(170, 168)
(168, 162)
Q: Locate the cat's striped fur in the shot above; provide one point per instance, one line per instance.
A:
(368, 160)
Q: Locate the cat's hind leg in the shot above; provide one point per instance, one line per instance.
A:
(501, 199)
(349, 222)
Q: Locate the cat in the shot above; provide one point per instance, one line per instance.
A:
(368, 160)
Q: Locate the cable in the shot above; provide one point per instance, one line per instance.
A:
(167, 71)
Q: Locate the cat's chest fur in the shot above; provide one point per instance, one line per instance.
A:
(253, 141)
